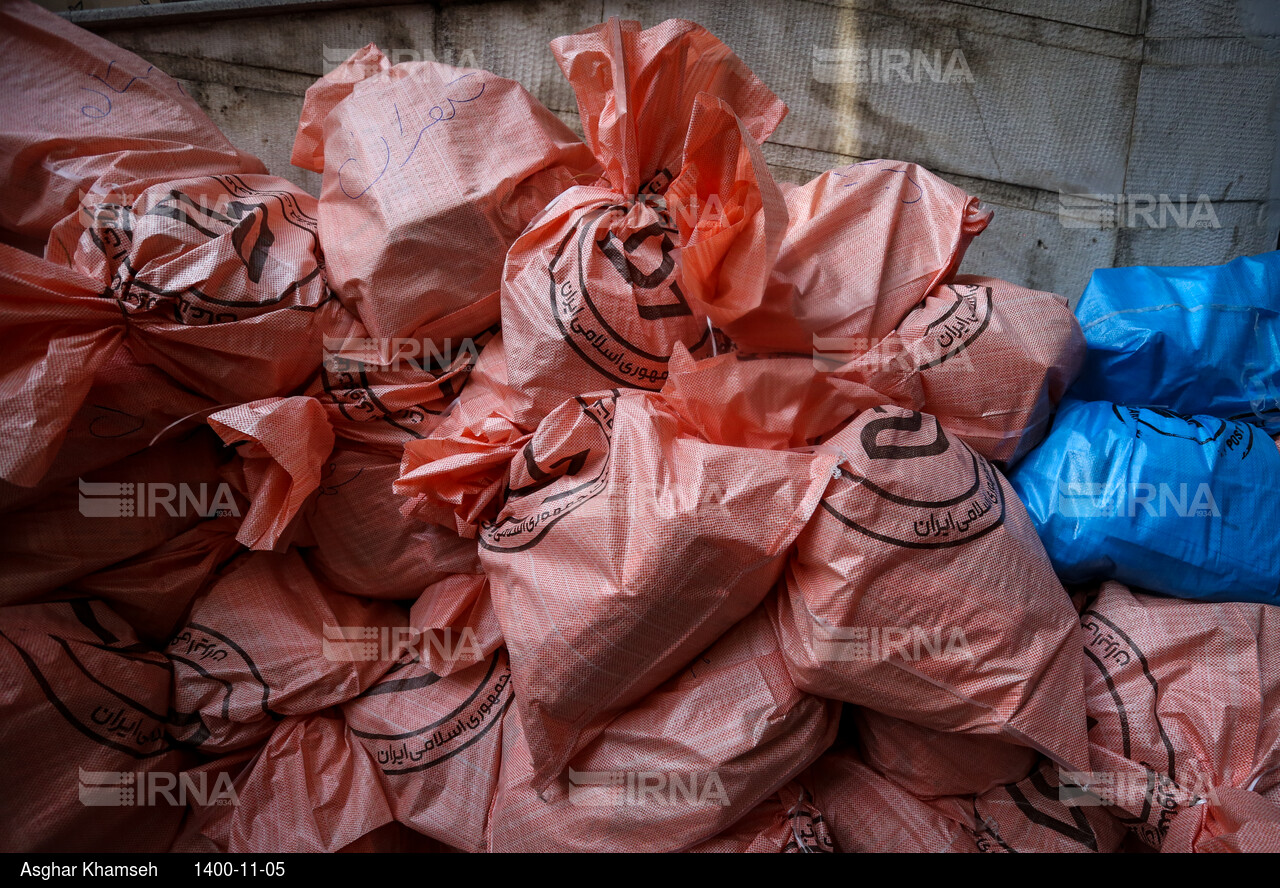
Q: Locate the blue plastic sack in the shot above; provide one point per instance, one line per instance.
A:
(1187, 506)
(1196, 340)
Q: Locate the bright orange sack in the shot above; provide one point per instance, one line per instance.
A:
(430, 173)
(677, 768)
(82, 734)
(677, 234)
(921, 590)
(267, 641)
(83, 115)
(1182, 700)
(990, 359)
(864, 245)
(454, 476)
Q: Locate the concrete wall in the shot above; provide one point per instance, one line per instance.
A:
(1124, 99)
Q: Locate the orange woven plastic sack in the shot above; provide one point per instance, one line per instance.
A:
(990, 359)
(129, 407)
(88, 764)
(1238, 821)
(677, 233)
(319, 467)
(457, 622)
(267, 641)
(625, 546)
(284, 443)
(365, 546)
(867, 813)
(785, 823)
(152, 591)
(677, 768)
(336, 500)
(436, 742)
(220, 280)
(864, 245)
(381, 401)
(310, 788)
(454, 476)
(82, 115)
(930, 764)
(1036, 815)
(217, 281)
(430, 173)
(1182, 700)
(921, 590)
(417, 747)
(394, 839)
(111, 515)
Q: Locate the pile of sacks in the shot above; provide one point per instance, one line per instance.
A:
(531, 493)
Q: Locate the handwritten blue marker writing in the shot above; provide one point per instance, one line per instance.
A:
(915, 184)
(437, 113)
(101, 112)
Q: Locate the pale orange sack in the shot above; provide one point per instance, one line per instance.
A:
(308, 789)
(129, 408)
(457, 622)
(319, 469)
(82, 116)
(217, 281)
(1182, 700)
(1035, 815)
(111, 515)
(678, 767)
(920, 589)
(864, 245)
(930, 764)
(363, 545)
(220, 280)
(1238, 821)
(785, 823)
(414, 748)
(867, 813)
(82, 734)
(266, 641)
(677, 234)
(153, 590)
(625, 545)
(990, 359)
(436, 742)
(430, 173)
